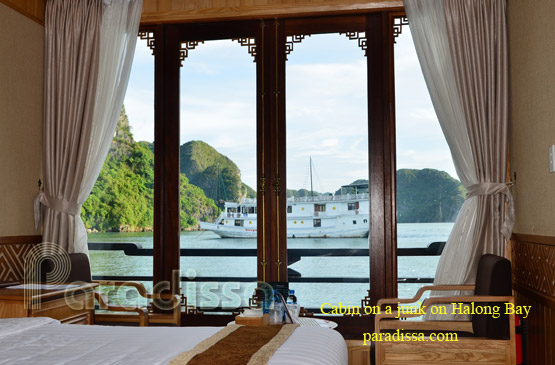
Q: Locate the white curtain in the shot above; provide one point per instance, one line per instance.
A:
(88, 62)
(461, 46)
(118, 37)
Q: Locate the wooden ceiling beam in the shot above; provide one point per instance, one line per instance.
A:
(32, 9)
(177, 11)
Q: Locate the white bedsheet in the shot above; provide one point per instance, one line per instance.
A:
(46, 341)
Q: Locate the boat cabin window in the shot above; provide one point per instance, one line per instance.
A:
(289, 209)
(353, 206)
(319, 207)
(239, 223)
(317, 223)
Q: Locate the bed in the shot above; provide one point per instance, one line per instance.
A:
(46, 341)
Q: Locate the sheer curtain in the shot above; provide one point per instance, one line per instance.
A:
(462, 49)
(89, 52)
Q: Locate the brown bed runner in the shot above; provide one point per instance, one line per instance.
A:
(237, 345)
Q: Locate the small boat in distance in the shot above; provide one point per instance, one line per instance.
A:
(323, 216)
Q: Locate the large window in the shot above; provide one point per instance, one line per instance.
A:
(271, 117)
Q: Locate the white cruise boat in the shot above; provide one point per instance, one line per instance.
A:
(335, 216)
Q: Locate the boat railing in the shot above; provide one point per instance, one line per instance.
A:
(293, 256)
(326, 198)
(319, 198)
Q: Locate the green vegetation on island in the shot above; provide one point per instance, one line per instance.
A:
(428, 195)
(214, 173)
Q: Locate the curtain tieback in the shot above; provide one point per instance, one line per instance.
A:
(60, 205)
(492, 189)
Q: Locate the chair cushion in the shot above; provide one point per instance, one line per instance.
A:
(493, 278)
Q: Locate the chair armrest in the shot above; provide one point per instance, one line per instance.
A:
(421, 291)
(142, 311)
(458, 326)
(139, 286)
(438, 300)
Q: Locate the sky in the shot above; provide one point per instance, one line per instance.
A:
(326, 108)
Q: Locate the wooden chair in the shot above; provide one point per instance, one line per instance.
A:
(81, 271)
(151, 317)
(489, 340)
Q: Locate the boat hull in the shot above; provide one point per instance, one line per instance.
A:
(242, 232)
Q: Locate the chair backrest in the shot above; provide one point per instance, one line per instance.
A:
(80, 269)
(494, 279)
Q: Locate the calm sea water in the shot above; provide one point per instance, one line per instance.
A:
(233, 294)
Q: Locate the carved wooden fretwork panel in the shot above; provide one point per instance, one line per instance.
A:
(398, 23)
(12, 261)
(185, 48)
(190, 309)
(250, 43)
(149, 37)
(534, 266)
(254, 301)
(364, 302)
(361, 38)
(291, 40)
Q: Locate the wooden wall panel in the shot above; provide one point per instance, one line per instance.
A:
(33, 9)
(13, 251)
(173, 11)
(533, 260)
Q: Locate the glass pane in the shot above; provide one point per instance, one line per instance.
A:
(218, 166)
(327, 170)
(429, 195)
(120, 207)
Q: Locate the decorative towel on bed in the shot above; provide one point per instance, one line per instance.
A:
(238, 345)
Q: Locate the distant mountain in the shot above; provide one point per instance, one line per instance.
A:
(428, 195)
(351, 190)
(424, 196)
(214, 173)
(123, 196)
(301, 193)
